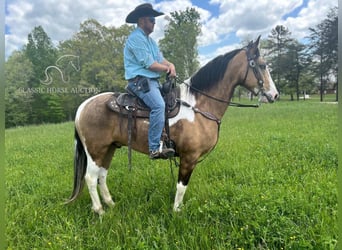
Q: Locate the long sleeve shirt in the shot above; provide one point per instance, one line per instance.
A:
(140, 52)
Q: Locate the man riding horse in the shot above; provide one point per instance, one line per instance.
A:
(143, 63)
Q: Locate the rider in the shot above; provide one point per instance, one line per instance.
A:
(143, 63)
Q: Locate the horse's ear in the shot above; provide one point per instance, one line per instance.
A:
(253, 48)
(256, 43)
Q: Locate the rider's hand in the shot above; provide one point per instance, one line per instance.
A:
(171, 71)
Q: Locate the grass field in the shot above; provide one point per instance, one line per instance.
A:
(269, 184)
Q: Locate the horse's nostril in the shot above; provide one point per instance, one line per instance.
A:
(276, 96)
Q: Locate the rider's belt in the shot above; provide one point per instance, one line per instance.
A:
(136, 79)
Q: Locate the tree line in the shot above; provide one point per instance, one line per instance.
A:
(46, 83)
(299, 68)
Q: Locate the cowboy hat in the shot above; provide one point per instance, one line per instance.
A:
(143, 10)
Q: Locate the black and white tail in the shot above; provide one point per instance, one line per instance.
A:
(80, 168)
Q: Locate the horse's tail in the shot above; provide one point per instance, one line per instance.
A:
(80, 167)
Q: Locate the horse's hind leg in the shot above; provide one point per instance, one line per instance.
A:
(105, 194)
(107, 198)
(98, 175)
(91, 177)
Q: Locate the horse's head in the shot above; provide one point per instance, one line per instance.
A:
(257, 78)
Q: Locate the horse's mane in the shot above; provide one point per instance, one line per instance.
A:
(212, 72)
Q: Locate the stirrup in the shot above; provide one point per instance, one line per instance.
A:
(166, 153)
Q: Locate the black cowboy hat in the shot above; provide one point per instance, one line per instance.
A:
(143, 10)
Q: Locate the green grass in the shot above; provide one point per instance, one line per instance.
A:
(269, 184)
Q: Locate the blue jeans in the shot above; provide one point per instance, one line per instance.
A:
(154, 100)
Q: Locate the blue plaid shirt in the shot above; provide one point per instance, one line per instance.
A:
(140, 52)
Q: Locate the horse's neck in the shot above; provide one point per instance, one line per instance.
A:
(221, 95)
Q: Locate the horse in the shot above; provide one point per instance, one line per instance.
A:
(204, 98)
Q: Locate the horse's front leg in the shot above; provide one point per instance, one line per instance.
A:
(185, 171)
(181, 188)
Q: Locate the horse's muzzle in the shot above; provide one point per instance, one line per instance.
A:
(268, 97)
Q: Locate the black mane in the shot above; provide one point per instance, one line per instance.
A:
(212, 72)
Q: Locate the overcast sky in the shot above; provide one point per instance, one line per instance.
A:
(224, 22)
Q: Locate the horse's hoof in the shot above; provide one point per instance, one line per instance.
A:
(99, 211)
(110, 204)
(177, 209)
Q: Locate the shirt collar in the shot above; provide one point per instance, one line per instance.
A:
(142, 31)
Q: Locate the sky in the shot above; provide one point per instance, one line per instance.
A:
(225, 23)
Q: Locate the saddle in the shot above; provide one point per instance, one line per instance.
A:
(128, 105)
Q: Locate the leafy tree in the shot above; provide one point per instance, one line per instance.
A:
(180, 42)
(41, 52)
(324, 47)
(293, 61)
(277, 42)
(101, 54)
(18, 100)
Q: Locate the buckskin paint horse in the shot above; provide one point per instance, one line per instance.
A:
(195, 130)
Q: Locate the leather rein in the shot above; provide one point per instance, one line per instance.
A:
(255, 67)
(251, 64)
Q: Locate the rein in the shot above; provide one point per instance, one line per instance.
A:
(253, 65)
(233, 104)
(204, 113)
(208, 116)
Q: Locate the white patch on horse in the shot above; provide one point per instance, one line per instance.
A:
(273, 90)
(179, 196)
(185, 112)
(103, 187)
(91, 177)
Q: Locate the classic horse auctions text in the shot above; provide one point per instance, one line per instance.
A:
(55, 90)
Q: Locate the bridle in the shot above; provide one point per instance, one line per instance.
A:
(256, 70)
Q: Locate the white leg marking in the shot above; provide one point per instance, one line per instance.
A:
(104, 189)
(91, 177)
(179, 196)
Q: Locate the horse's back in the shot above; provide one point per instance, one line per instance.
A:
(93, 116)
(92, 105)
